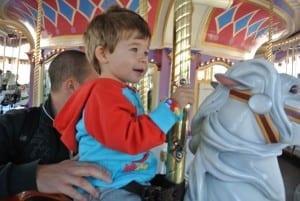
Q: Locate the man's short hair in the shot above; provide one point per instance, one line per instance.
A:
(70, 63)
(111, 26)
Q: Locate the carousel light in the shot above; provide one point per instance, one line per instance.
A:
(200, 75)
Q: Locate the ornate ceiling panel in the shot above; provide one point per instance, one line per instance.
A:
(241, 29)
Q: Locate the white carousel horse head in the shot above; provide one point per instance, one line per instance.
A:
(238, 132)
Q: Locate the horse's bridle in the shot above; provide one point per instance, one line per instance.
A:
(264, 121)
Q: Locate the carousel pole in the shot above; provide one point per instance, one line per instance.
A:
(181, 62)
(4, 52)
(38, 74)
(18, 58)
(294, 58)
(269, 52)
(143, 85)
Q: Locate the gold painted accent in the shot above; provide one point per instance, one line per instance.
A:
(268, 129)
(19, 52)
(181, 62)
(4, 53)
(295, 116)
(143, 9)
(19, 28)
(155, 29)
(269, 51)
(143, 85)
(264, 121)
(239, 96)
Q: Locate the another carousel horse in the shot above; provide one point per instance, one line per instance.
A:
(239, 131)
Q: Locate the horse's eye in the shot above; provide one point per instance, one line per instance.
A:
(294, 89)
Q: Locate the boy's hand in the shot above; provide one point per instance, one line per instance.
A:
(184, 95)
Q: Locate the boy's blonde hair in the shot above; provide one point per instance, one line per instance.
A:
(111, 26)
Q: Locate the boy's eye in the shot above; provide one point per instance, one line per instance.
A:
(134, 49)
(146, 53)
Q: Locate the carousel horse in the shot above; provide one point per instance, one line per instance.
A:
(238, 132)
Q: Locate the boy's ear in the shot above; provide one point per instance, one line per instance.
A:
(100, 54)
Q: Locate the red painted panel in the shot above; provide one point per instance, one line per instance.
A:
(227, 35)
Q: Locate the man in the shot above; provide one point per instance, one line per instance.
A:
(32, 156)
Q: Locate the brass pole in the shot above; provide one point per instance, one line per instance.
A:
(4, 52)
(143, 84)
(18, 58)
(269, 53)
(37, 52)
(181, 63)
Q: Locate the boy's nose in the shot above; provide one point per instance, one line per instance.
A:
(143, 59)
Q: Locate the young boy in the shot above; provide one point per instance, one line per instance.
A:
(105, 118)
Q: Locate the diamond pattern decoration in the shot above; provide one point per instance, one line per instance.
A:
(28, 12)
(240, 25)
(261, 32)
(237, 27)
(68, 17)
(32, 11)
(107, 3)
(225, 19)
(134, 5)
(86, 8)
(281, 4)
(255, 26)
(49, 12)
(66, 10)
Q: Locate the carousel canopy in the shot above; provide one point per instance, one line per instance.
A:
(228, 28)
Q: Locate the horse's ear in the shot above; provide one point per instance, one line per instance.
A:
(226, 81)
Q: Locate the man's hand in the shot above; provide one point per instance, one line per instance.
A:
(66, 176)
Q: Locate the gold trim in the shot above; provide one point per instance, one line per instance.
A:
(181, 63)
(38, 80)
(20, 29)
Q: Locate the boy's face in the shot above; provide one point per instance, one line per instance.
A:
(129, 61)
